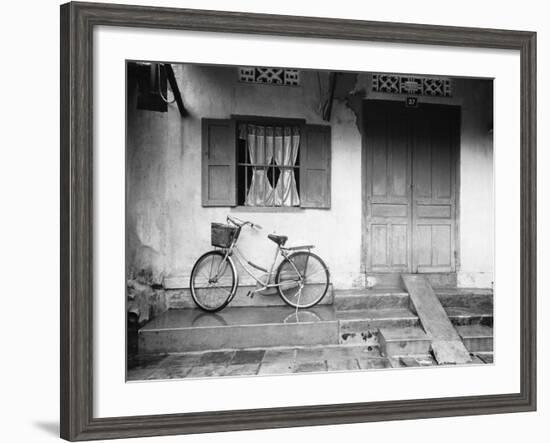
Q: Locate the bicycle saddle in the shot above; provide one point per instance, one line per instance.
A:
(279, 239)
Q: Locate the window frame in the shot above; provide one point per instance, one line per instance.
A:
(263, 121)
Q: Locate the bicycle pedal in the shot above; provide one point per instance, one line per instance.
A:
(249, 294)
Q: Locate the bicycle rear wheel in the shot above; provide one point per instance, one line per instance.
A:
(302, 279)
(213, 281)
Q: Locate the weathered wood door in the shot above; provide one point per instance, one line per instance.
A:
(410, 204)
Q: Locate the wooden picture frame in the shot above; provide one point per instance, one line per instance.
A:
(77, 23)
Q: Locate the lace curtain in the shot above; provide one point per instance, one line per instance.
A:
(264, 145)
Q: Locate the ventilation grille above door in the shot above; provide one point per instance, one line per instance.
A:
(411, 85)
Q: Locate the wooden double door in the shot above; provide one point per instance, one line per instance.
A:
(410, 204)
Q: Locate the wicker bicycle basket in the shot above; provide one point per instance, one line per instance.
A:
(222, 235)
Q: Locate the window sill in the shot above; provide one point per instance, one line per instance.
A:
(267, 209)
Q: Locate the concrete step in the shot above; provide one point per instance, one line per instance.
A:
(395, 297)
(477, 338)
(185, 330)
(378, 318)
(387, 298)
(393, 280)
(470, 316)
(403, 341)
(485, 357)
(361, 326)
(412, 361)
(181, 298)
(465, 297)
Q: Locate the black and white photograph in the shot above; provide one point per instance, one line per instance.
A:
(275, 222)
(287, 221)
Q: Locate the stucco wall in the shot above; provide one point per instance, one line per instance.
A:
(168, 228)
(476, 207)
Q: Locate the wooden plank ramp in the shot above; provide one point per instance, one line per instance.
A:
(447, 345)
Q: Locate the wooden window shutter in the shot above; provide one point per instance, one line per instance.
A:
(218, 162)
(315, 162)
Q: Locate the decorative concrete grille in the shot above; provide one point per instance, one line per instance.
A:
(401, 84)
(272, 76)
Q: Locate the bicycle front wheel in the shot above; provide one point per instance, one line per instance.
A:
(302, 279)
(213, 281)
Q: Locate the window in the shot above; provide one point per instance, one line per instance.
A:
(268, 165)
(265, 162)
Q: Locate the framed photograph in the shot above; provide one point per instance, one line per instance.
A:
(272, 221)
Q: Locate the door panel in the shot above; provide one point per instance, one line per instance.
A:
(410, 187)
(379, 241)
(433, 195)
(388, 184)
(399, 246)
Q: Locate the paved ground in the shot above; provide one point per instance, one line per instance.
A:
(272, 361)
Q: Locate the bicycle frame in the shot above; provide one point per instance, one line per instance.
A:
(243, 261)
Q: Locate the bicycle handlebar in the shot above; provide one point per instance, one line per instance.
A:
(238, 222)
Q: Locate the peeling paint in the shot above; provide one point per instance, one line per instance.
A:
(145, 300)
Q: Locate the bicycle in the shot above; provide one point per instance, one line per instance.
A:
(301, 278)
